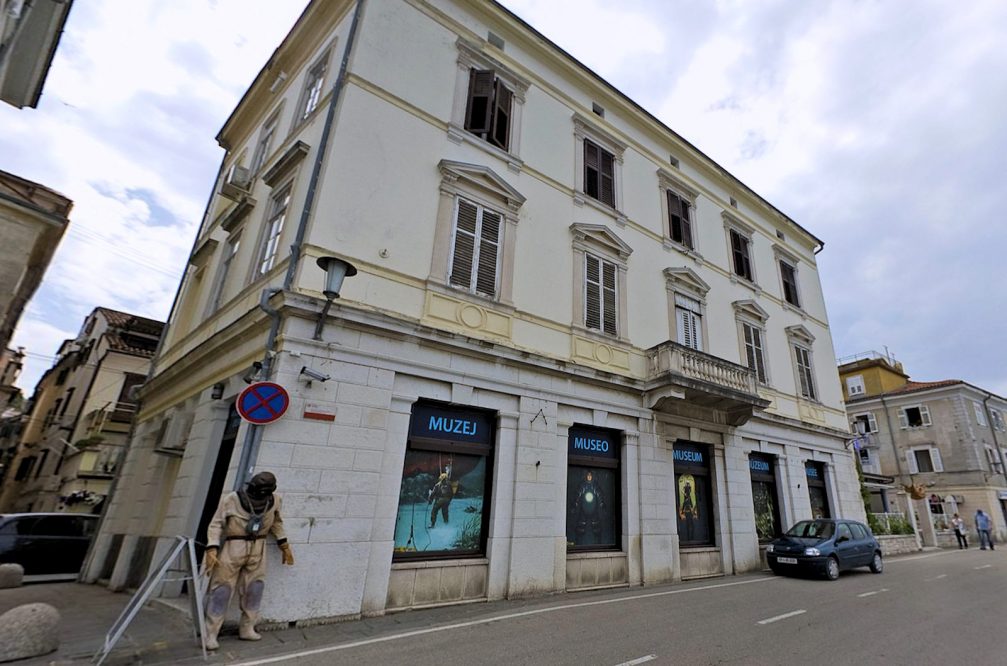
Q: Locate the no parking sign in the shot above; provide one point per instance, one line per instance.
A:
(263, 402)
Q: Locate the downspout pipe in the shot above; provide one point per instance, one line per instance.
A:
(253, 436)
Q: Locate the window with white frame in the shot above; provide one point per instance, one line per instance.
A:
(998, 419)
(476, 248)
(600, 295)
(805, 372)
(598, 162)
(863, 423)
(678, 204)
(679, 219)
(600, 262)
(230, 252)
(689, 317)
(980, 417)
(993, 458)
(265, 143)
(739, 241)
(755, 354)
(314, 83)
(855, 385)
(914, 416)
(922, 460)
(488, 111)
(865, 456)
(278, 207)
(788, 275)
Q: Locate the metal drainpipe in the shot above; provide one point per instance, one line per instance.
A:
(253, 436)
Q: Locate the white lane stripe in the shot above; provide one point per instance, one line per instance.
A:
(868, 594)
(985, 566)
(920, 557)
(638, 660)
(781, 617)
(497, 618)
(927, 580)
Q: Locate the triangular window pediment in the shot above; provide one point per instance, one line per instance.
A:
(483, 179)
(686, 279)
(598, 236)
(751, 309)
(799, 333)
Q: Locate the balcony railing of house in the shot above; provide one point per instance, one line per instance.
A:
(672, 357)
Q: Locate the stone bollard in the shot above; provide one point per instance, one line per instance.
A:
(11, 575)
(28, 631)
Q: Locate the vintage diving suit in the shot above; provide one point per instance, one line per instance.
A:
(235, 554)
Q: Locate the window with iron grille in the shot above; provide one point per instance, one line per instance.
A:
(599, 173)
(476, 251)
(488, 111)
(805, 373)
(754, 353)
(278, 205)
(600, 297)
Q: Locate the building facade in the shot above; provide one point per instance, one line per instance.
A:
(948, 438)
(80, 416)
(576, 352)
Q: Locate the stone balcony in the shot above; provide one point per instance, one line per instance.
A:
(686, 382)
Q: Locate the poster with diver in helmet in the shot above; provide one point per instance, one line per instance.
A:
(440, 503)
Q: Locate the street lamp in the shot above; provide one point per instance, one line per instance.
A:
(336, 270)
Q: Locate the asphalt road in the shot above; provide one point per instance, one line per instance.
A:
(943, 607)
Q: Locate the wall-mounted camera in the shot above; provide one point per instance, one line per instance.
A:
(310, 375)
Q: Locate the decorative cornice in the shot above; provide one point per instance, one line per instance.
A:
(471, 55)
(602, 236)
(285, 163)
(682, 278)
(751, 309)
(476, 175)
(584, 127)
(669, 181)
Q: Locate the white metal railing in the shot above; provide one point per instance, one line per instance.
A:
(671, 356)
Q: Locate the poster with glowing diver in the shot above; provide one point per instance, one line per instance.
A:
(591, 501)
(441, 503)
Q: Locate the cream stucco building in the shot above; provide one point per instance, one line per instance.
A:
(576, 353)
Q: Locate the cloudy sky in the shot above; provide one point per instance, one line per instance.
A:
(876, 125)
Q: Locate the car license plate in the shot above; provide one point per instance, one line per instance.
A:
(787, 560)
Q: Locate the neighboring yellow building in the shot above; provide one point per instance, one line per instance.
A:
(571, 350)
(870, 373)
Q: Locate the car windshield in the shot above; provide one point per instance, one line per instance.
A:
(812, 529)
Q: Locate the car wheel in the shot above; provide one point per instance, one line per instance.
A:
(832, 568)
(877, 564)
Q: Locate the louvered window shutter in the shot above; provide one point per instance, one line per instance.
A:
(739, 245)
(479, 112)
(925, 415)
(465, 244)
(610, 300)
(592, 293)
(489, 251)
(911, 460)
(935, 457)
(903, 419)
(684, 327)
(686, 224)
(675, 217)
(749, 345)
(607, 178)
(500, 134)
(872, 422)
(760, 360)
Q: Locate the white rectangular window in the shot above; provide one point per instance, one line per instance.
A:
(689, 315)
(923, 460)
(855, 385)
(805, 372)
(599, 173)
(741, 255)
(264, 145)
(754, 353)
(600, 297)
(488, 112)
(980, 417)
(916, 416)
(278, 205)
(788, 275)
(233, 244)
(998, 419)
(476, 253)
(865, 456)
(993, 458)
(313, 88)
(863, 423)
(679, 223)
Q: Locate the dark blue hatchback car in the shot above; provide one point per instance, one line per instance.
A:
(825, 547)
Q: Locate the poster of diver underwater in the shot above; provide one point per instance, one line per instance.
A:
(441, 503)
(592, 503)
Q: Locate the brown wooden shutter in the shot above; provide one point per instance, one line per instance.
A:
(739, 245)
(478, 115)
(686, 224)
(592, 161)
(607, 189)
(500, 134)
(465, 244)
(592, 293)
(610, 300)
(489, 251)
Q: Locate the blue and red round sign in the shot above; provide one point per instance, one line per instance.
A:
(263, 402)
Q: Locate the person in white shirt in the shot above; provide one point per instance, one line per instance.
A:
(959, 526)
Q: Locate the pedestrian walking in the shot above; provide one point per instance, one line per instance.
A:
(959, 526)
(983, 527)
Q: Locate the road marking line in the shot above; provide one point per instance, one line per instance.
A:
(490, 620)
(985, 566)
(927, 580)
(638, 660)
(868, 594)
(919, 557)
(781, 617)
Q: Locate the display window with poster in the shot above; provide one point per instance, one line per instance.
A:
(693, 494)
(815, 474)
(764, 497)
(593, 498)
(444, 498)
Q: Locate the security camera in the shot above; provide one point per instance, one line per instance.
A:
(314, 375)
